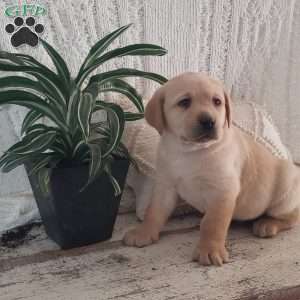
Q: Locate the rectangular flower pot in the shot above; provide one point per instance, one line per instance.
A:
(75, 218)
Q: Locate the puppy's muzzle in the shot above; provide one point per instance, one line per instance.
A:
(205, 127)
(206, 123)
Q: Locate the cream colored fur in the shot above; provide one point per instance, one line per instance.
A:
(226, 177)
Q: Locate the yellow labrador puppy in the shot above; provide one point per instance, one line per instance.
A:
(215, 167)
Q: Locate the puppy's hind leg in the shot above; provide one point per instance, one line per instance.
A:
(284, 213)
(269, 226)
(161, 206)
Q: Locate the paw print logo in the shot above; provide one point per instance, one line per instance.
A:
(24, 33)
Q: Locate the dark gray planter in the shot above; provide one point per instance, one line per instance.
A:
(73, 218)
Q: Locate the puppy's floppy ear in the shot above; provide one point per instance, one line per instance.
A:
(228, 108)
(154, 114)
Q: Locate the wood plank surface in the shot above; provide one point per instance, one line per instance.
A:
(258, 269)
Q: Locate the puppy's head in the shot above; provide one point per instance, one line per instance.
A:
(191, 106)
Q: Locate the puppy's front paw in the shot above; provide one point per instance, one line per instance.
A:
(140, 237)
(211, 254)
(265, 227)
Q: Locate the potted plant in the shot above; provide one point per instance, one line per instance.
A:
(76, 166)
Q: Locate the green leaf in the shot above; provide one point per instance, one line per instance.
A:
(43, 161)
(116, 121)
(52, 88)
(124, 88)
(77, 147)
(62, 142)
(23, 59)
(122, 151)
(129, 116)
(138, 49)
(49, 79)
(35, 142)
(102, 130)
(44, 179)
(113, 181)
(53, 92)
(63, 139)
(32, 101)
(102, 45)
(40, 128)
(135, 49)
(95, 161)
(115, 184)
(26, 84)
(31, 117)
(61, 145)
(73, 108)
(82, 152)
(7, 57)
(98, 124)
(85, 108)
(29, 60)
(15, 162)
(126, 72)
(59, 149)
(59, 63)
(102, 141)
(4, 158)
(19, 82)
(8, 67)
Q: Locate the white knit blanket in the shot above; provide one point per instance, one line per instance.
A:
(252, 45)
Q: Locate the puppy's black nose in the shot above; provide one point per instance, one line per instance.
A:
(206, 122)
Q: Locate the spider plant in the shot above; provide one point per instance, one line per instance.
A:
(58, 127)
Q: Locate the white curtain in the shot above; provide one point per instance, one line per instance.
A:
(252, 45)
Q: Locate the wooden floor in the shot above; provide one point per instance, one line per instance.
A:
(258, 269)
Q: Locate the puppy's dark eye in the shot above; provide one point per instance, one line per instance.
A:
(184, 103)
(217, 101)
